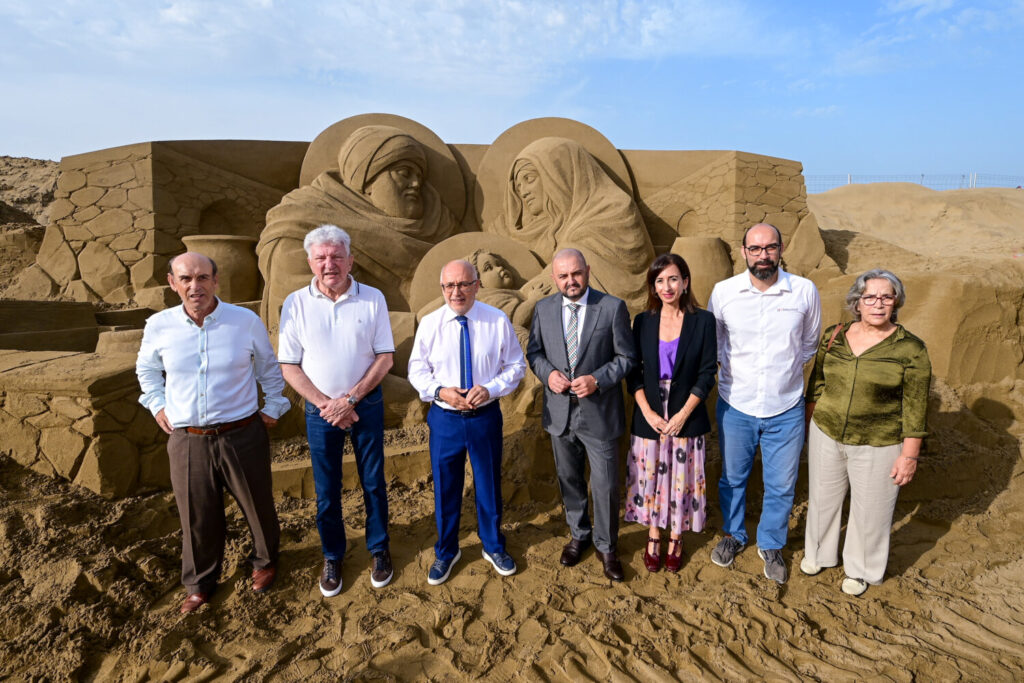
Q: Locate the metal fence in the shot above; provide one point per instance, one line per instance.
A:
(823, 183)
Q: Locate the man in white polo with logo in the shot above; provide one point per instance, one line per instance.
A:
(335, 347)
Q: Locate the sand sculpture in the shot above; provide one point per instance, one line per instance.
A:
(381, 194)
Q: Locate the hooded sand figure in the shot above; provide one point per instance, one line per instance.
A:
(380, 196)
(559, 197)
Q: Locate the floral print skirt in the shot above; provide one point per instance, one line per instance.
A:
(665, 480)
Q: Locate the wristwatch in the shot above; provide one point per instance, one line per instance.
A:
(437, 393)
(351, 400)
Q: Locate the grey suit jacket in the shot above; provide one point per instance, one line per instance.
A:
(606, 351)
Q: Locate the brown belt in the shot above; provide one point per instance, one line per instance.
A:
(221, 428)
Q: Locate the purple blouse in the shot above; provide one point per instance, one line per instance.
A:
(667, 357)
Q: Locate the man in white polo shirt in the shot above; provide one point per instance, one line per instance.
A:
(335, 347)
(768, 327)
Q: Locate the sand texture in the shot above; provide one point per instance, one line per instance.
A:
(89, 588)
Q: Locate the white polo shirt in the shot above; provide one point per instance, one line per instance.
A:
(764, 340)
(334, 342)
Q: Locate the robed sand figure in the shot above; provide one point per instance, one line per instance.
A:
(381, 196)
(559, 197)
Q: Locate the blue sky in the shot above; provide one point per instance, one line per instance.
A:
(905, 86)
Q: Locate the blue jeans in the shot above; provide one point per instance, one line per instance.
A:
(326, 445)
(451, 437)
(781, 437)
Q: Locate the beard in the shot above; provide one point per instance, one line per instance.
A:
(763, 270)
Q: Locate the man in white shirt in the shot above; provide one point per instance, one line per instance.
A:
(464, 358)
(213, 354)
(768, 324)
(335, 347)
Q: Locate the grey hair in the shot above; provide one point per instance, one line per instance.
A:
(861, 283)
(327, 234)
(476, 273)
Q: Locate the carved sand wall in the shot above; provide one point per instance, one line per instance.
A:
(119, 213)
(77, 417)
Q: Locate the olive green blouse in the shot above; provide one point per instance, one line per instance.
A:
(876, 399)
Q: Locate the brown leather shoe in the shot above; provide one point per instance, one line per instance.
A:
(262, 579)
(612, 566)
(193, 602)
(573, 551)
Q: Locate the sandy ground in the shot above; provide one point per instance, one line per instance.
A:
(89, 589)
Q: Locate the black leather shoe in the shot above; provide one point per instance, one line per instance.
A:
(612, 566)
(573, 551)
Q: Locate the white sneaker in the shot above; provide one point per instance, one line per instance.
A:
(808, 567)
(854, 586)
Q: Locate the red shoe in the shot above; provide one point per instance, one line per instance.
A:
(652, 560)
(194, 602)
(674, 558)
(263, 579)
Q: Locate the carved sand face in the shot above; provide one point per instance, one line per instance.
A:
(192, 279)
(396, 190)
(494, 272)
(529, 188)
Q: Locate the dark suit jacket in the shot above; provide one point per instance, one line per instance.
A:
(693, 373)
(606, 352)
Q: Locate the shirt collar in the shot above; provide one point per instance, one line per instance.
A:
(582, 301)
(212, 315)
(783, 284)
(351, 292)
(450, 315)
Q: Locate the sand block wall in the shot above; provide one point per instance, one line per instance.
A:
(76, 416)
(119, 213)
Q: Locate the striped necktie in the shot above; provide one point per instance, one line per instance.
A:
(572, 338)
(465, 355)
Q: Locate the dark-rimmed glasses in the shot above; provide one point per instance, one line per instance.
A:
(452, 286)
(755, 250)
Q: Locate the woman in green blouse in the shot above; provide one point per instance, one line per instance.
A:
(868, 394)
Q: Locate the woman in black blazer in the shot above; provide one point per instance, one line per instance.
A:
(677, 348)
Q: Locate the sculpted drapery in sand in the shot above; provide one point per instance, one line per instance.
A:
(558, 196)
(381, 196)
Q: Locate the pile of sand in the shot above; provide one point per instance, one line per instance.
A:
(26, 191)
(89, 589)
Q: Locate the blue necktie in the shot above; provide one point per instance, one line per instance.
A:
(465, 355)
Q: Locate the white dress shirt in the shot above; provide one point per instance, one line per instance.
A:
(764, 340)
(211, 370)
(498, 362)
(581, 313)
(334, 342)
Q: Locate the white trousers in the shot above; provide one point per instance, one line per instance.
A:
(834, 468)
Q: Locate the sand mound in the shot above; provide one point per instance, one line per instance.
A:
(26, 190)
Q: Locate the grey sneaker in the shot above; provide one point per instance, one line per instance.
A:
(854, 586)
(774, 566)
(726, 550)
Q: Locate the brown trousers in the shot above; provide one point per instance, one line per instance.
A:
(201, 467)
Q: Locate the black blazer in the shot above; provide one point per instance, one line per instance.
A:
(694, 371)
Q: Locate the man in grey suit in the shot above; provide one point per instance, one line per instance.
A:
(581, 348)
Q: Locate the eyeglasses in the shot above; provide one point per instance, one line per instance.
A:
(755, 250)
(871, 299)
(452, 286)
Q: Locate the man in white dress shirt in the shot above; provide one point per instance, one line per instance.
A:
(335, 347)
(464, 358)
(768, 324)
(213, 354)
